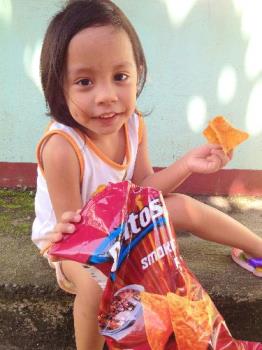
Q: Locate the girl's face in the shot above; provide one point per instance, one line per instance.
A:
(100, 82)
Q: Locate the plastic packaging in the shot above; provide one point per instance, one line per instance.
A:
(152, 300)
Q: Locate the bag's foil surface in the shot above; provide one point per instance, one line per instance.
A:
(152, 300)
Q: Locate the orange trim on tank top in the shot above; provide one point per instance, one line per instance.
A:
(104, 157)
(72, 143)
(140, 126)
(95, 149)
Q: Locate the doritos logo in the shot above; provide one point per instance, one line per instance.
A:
(137, 226)
(136, 222)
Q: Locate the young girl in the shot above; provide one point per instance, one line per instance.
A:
(93, 69)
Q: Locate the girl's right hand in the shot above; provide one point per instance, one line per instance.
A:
(66, 225)
(207, 159)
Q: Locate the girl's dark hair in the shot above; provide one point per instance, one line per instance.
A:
(76, 16)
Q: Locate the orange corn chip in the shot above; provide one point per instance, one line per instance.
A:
(191, 320)
(157, 322)
(220, 131)
(211, 136)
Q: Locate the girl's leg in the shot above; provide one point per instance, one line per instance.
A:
(211, 224)
(88, 295)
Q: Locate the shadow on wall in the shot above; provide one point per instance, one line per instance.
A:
(204, 59)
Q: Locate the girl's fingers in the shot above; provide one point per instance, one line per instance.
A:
(50, 239)
(68, 218)
(53, 237)
(64, 227)
(214, 163)
(218, 148)
(57, 234)
(220, 154)
(71, 216)
(214, 146)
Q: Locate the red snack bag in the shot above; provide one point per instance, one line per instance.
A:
(152, 300)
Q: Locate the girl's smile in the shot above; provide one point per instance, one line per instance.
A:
(101, 80)
(107, 119)
(107, 116)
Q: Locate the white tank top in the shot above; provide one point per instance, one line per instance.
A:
(96, 170)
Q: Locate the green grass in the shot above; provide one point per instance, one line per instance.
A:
(16, 211)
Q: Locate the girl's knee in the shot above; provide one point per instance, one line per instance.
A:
(181, 210)
(84, 283)
(178, 202)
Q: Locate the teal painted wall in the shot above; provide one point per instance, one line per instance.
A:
(204, 58)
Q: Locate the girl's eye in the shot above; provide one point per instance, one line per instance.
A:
(120, 77)
(84, 82)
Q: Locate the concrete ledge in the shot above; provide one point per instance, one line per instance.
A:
(224, 182)
(35, 314)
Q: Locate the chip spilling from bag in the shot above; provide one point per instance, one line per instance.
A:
(152, 301)
(221, 131)
(191, 325)
(155, 307)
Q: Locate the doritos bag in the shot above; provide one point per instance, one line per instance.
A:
(152, 300)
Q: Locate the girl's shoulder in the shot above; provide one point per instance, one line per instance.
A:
(60, 144)
(60, 135)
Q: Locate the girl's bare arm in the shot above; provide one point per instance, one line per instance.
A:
(62, 174)
(203, 159)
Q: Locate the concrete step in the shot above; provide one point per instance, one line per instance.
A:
(36, 314)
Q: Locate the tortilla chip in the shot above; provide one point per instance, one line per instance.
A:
(191, 320)
(156, 318)
(211, 136)
(220, 131)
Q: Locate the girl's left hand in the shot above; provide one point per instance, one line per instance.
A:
(207, 159)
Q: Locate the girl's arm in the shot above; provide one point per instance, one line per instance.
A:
(165, 180)
(205, 159)
(62, 173)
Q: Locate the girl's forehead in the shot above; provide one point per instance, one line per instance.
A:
(96, 45)
(100, 38)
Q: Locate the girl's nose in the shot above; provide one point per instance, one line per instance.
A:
(106, 94)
